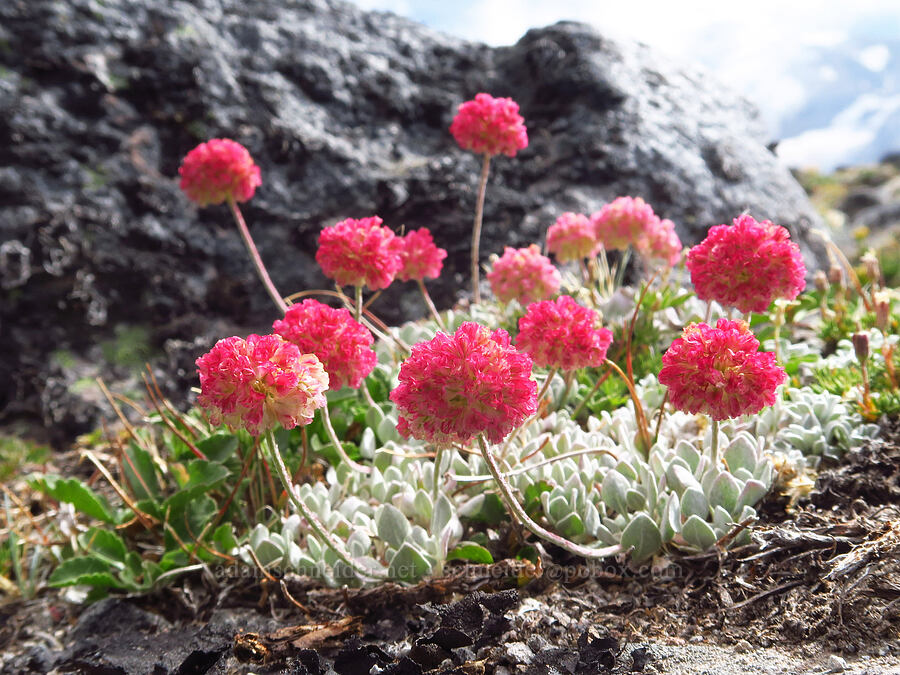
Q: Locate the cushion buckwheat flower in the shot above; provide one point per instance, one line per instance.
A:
(217, 171)
(491, 126)
(342, 344)
(747, 265)
(562, 334)
(260, 382)
(454, 387)
(359, 253)
(719, 371)
(420, 256)
(571, 237)
(525, 275)
(623, 222)
(662, 242)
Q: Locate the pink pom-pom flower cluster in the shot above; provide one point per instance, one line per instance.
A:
(490, 126)
(455, 387)
(572, 237)
(630, 221)
(525, 275)
(260, 382)
(217, 171)
(342, 344)
(719, 371)
(747, 265)
(420, 256)
(359, 252)
(562, 334)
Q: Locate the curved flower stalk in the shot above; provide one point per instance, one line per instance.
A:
(222, 170)
(488, 126)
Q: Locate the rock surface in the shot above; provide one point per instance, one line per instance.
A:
(346, 112)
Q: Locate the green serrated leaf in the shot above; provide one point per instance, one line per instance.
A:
(218, 447)
(73, 491)
(472, 552)
(105, 545)
(140, 473)
(83, 571)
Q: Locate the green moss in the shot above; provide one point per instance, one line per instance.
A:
(129, 348)
(16, 453)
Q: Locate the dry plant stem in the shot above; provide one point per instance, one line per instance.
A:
(476, 228)
(520, 515)
(834, 248)
(314, 523)
(640, 417)
(332, 436)
(431, 307)
(255, 257)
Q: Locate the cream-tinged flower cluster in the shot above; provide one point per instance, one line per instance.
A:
(260, 382)
(359, 252)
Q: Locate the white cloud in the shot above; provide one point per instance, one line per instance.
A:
(875, 57)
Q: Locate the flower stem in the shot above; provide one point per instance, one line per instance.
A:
(714, 446)
(476, 228)
(437, 471)
(358, 306)
(332, 436)
(314, 523)
(520, 514)
(597, 384)
(255, 257)
(569, 379)
(431, 307)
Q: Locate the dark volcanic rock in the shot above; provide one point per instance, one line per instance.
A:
(346, 112)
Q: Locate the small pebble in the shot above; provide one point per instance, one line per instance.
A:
(742, 647)
(695, 639)
(836, 664)
(519, 653)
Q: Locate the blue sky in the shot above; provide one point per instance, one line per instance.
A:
(758, 48)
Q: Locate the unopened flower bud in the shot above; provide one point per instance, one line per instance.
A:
(836, 275)
(873, 269)
(861, 346)
(882, 310)
(821, 281)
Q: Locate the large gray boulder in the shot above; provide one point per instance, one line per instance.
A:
(346, 112)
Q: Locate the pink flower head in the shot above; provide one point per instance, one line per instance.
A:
(525, 275)
(662, 242)
(490, 126)
(571, 237)
(359, 253)
(421, 258)
(219, 170)
(562, 334)
(259, 382)
(747, 265)
(624, 221)
(454, 387)
(719, 371)
(343, 345)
